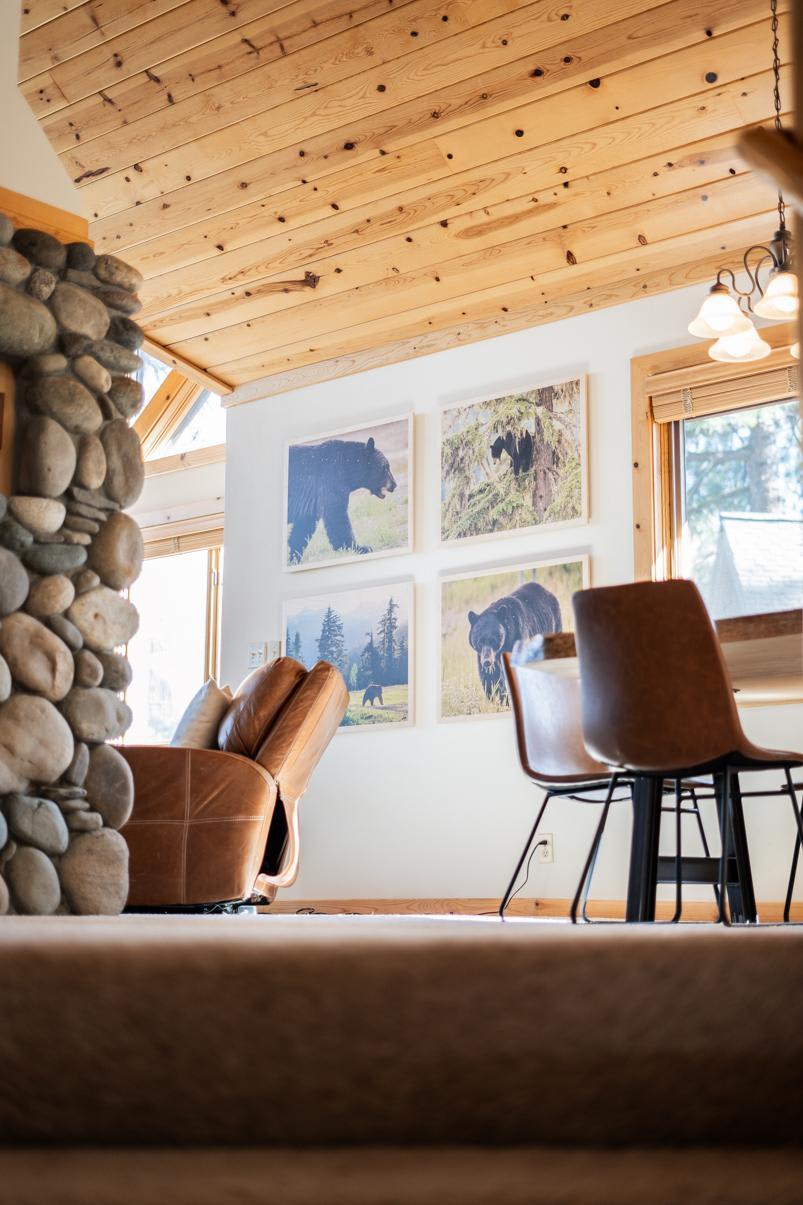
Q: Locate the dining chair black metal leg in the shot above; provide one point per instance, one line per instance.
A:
(695, 804)
(590, 876)
(597, 837)
(790, 786)
(678, 854)
(724, 802)
(539, 817)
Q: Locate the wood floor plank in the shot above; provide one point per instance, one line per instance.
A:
(482, 316)
(343, 108)
(581, 243)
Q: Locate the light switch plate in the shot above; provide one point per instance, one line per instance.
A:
(257, 654)
(274, 649)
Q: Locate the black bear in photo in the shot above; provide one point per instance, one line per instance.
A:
(518, 447)
(525, 613)
(372, 694)
(321, 479)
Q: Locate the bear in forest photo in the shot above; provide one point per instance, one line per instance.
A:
(373, 694)
(340, 496)
(529, 611)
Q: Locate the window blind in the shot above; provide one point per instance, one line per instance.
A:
(679, 395)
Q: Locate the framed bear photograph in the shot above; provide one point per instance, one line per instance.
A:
(348, 494)
(514, 463)
(367, 632)
(485, 613)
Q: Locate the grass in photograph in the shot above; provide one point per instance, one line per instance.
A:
(394, 711)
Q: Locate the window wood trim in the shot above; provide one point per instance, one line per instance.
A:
(655, 508)
(195, 458)
(183, 535)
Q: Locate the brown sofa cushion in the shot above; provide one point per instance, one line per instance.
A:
(257, 703)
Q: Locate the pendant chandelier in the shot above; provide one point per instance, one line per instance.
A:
(725, 314)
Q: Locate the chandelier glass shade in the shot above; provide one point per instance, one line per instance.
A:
(772, 291)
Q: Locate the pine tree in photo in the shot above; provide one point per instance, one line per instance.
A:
(370, 669)
(387, 644)
(332, 642)
(294, 647)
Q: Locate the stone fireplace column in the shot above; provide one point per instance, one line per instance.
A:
(67, 552)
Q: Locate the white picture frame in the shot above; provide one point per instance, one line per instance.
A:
(404, 465)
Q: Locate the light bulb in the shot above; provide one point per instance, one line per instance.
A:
(780, 300)
(747, 345)
(719, 316)
(794, 351)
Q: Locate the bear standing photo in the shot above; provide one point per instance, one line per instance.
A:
(348, 495)
(487, 613)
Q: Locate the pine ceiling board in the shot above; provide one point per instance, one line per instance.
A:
(435, 245)
(677, 263)
(284, 171)
(84, 29)
(167, 82)
(39, 12)
(292, 129)
(557, 115)
(365, 199)
(271, 91)
(541, 254)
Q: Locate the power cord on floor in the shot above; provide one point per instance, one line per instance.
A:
(523, 884)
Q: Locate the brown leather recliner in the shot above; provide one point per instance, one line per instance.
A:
(206, 829)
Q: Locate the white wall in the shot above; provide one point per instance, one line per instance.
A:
(28, 163)
(441, 810)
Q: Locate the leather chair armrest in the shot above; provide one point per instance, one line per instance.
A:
(292, 750)
(199, 825)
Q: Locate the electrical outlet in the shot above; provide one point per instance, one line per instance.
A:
(257, 654)
(546, 852)
(274, 649)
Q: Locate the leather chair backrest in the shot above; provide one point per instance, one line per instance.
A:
(294, 744)
(257, 704)
(655, 690)
(546, 710)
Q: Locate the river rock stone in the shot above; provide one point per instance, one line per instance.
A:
(37, 658)
(13, 535)
(92, 374)
(40, 248)
(92, 498)
(117, 551)
(72, 803)
(66, 631)
(27, 327)
(76, 772)
(42, 284)
(119, 299)
(117, 672)
(42, 366)
(50, 596)
(5, 680)
(47, 458)
(42, 516)
(126, 331)
(37, 822)
(6, 229)
(127, 395)
(85, 580)
(74, 345)
(94, 872)
(84, 821)
(78, 523)
(36, 744)
(104, 619)
(14, 268)
(13, 582)
(91, 469)
(79, 312)
(125, 470)
(88, 670)
(86, 512)
(80, 256)
(87, 280)
(115, 357)
(66, 400)
(3, 505)
(110, 785)
(5, 897)
(114, 271)
(95, 714)
(53, 558)
(76, 537)
(33, 882)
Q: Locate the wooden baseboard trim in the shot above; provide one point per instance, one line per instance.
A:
(693, 910)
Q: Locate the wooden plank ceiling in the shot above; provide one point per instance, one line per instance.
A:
(316, 187)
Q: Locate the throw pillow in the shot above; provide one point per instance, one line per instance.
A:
(197, 728)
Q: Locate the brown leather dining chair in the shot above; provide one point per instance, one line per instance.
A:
(657, 704)
(215, 829)
(546, 712)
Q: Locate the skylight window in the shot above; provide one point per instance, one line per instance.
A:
(204, 426)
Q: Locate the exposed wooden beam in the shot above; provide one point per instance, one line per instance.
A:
(26, 211)
(208, 380)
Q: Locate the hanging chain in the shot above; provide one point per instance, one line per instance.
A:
(776, 71)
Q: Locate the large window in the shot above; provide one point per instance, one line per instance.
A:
(718, 477)
(176, 647)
